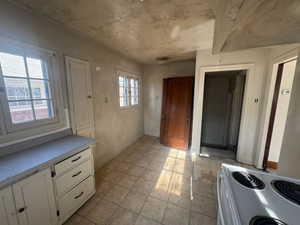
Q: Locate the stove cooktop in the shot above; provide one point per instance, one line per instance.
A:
(248, 180)
(262, 220)
(271, 199)
(288, 190)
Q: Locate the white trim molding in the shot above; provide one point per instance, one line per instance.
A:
(246, 142)
(267, 104)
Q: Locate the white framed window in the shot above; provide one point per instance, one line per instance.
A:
(134, 91)
(129, 89)
(26, 89)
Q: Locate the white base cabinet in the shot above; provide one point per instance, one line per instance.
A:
(35, 200)
(50, 198)
(74, 183)
(8, 213)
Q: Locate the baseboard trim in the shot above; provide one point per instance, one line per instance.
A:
(272, 165)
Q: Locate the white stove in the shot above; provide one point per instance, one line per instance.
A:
(248, 197)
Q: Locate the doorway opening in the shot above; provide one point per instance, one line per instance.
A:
(222, 110)
(284, 72)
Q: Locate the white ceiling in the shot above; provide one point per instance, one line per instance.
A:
(140, 30)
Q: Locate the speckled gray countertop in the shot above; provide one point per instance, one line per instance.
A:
(18, 165)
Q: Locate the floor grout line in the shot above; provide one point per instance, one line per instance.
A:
(140, 151)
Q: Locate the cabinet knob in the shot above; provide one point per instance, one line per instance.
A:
(89, 96)
(21, 210)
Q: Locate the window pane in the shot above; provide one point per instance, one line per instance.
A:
(132, 83)
(132, 86)
(16, 89)
(121, 90)
(123, 102)
(21, 111)
(121, 81)
(43, 109)
(126, 82)
(134, 100)
(35, 68)
(12, 65)
(136, 83)
(40, 89)
(124, 91)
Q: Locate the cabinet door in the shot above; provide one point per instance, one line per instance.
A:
(80, 93)
(35, 200)
(7, 207)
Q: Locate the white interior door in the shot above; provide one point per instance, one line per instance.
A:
(8, 214)
(80, 93)
(35, 200)
(282, 108)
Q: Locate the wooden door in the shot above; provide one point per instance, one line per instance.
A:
(80, 94)
(35, 199)
(7, 208)
(176, 116)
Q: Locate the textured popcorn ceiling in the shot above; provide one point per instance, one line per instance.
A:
(244, 24)
(141, 30)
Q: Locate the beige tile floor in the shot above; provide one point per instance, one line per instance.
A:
(150, 184)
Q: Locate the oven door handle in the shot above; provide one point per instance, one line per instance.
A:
(220, 211)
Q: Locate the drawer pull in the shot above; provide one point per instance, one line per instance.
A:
(76, 174)
(74, 160)
(78, 196)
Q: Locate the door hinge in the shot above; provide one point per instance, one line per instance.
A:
(53, 173)
(57, 213)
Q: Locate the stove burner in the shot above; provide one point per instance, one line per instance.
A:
(248, 180)
(261, 220)
(287, 189)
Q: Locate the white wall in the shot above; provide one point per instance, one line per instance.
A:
(257, 61)
(153, 87)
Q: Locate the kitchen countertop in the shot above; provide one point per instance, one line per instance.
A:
(19, 165)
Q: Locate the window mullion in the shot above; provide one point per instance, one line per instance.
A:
(29, 86)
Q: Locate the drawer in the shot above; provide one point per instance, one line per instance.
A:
(73, 177)
(72, 161)
(74, 199)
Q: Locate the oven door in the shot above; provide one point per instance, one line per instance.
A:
(227, 212)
